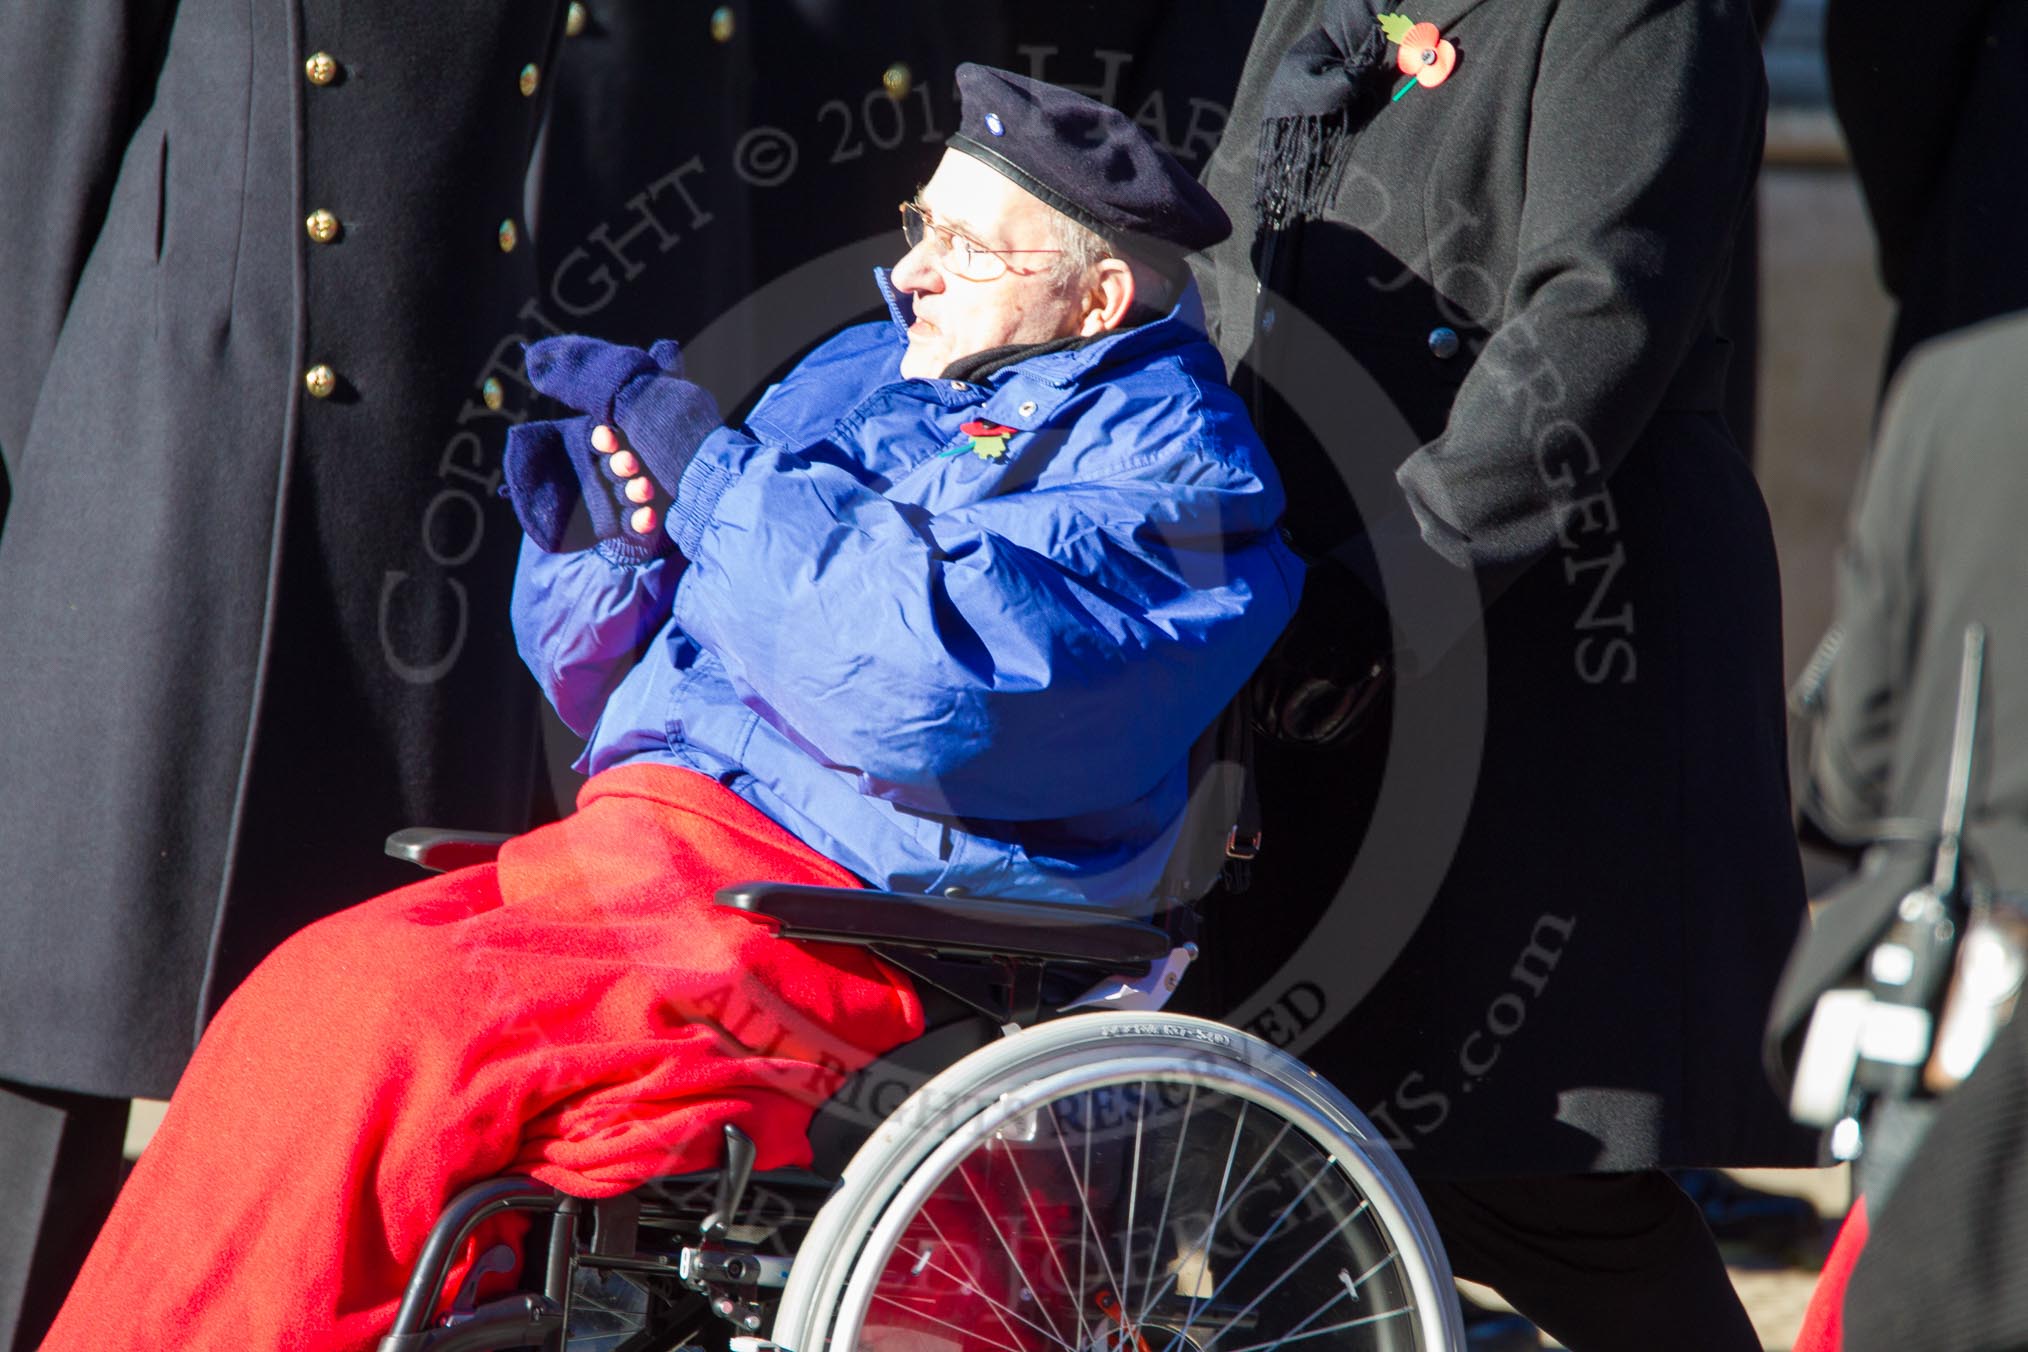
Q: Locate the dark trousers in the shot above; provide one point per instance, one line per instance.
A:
(1600, 1262)
(59, 1172)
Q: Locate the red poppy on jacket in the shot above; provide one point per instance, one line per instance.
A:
(1426, 54)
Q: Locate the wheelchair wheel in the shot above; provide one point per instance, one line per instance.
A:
(1122, 1183)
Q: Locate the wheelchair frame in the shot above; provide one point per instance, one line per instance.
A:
(993, 961)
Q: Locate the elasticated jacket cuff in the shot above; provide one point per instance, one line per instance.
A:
(703, 484)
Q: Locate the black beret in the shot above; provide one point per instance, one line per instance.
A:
(1089, 161)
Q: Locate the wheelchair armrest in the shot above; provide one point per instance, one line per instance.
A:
(440, 851)
(980, 927)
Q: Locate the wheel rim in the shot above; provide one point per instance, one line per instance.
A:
(1144, 1204)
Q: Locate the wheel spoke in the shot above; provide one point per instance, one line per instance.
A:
(967, 1279)
(1274, 1251)
(1042, 1228)
(1293, 1337)
(1013, 1259)
(1133, 1192)
(1323, 1170)
(1218, 1207)
(914, 1313)
(1001, 1310)
(1162, 1224)
(1238, 1193)
(1084, 1203)
(1360, 1280)
(1090, 1223)
(1296, 1267)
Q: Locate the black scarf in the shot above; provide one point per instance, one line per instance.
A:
(1324, 88)
(975, 368)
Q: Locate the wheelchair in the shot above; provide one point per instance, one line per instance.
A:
(1055, 1164)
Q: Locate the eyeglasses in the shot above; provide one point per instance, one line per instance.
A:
(957, 254)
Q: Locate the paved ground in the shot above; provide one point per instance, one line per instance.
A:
(1776, 1297)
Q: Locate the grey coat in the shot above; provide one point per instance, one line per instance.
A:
(1933, 545)
(1561, 857)
(245, 631)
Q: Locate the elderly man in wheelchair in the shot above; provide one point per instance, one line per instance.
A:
(951, 614)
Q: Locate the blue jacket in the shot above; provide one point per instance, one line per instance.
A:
(939, 668)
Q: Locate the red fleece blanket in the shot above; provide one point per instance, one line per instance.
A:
(578, 1011)
(1823, 1328)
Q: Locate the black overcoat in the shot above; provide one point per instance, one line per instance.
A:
(245, 630)
(1566, 843)
(1937, 160)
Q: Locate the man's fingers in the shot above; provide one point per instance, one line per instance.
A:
(624, 465)
(643, 520)
(640, 490)
(604, 440)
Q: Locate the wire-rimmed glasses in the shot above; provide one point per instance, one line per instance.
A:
(954, 252)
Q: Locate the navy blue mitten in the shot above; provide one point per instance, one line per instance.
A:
(552, 466)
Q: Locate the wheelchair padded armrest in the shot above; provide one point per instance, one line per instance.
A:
(440, 851)
(954, 926)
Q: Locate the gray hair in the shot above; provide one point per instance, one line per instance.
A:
(1084, 249)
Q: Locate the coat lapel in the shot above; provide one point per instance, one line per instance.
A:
(1443, 13)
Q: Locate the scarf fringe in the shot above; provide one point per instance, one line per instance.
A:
(1300, 166)
(1325, 87)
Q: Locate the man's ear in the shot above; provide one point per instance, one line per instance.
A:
(1110, 296)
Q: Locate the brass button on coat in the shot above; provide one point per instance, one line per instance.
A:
(574, 19)
(320, 380)
(492, 394)
(323, 226)
(897, 80)
(321, 69)
(531, 79)
(509, 237)
(721, 24)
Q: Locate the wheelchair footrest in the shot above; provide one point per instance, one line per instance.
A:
(521, 1320)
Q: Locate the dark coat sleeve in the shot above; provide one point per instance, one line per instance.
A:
(1898, 118)
(74, 79)
(1645, 133)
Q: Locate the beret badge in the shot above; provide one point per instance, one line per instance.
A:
(1085, 159)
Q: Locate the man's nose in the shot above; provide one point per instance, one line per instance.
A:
(915, 272)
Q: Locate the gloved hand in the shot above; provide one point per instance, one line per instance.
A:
(1326, 674)
(552, 466)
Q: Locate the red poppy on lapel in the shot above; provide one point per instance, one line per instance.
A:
(1420, 50)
